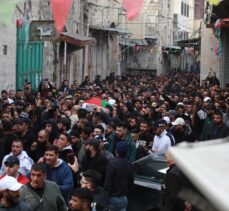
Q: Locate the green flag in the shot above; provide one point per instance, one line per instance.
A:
(7, 9)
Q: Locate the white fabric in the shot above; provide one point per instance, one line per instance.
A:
(25, 163)
(161, 144)
(9, 183)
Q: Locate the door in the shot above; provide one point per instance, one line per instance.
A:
(29, 61)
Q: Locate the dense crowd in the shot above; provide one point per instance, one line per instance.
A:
(84, 137)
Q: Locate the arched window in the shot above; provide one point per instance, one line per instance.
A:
(182, 7)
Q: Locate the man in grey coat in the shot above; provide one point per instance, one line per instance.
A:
(42, 194)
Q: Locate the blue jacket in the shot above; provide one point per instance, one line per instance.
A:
(62, 176)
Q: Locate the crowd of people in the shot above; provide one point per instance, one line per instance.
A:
(72, 147)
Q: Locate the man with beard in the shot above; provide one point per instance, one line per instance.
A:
(64, 125)
(182, 131)
(37, 149)
(145, 137)
(93, 159)
(25, 133)
(219, 129)
(40, 193)
(25, 161)
(161, 143)
(58, 171)
(122, 134)
(208, 122)
(52, 128)
(9, 188)
(81, 200)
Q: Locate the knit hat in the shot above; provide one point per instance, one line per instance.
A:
(122, 148)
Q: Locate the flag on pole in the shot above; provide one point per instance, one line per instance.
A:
(60, 9)
(7, 9)
(133, 8)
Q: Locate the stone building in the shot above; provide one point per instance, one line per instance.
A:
(88, 45)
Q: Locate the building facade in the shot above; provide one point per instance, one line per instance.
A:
(89, 44)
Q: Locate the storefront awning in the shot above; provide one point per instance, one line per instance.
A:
(139, 42)
(127, 43)
(171, 49)
(195, 43)
(112, 30)
(76, 39)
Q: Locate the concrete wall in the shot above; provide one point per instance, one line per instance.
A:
(8, 61)
(105, 55)
(208, 59)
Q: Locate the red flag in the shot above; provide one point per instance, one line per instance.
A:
(60, 10)
(95, 101)
(133, 8)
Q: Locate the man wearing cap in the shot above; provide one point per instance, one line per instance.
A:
(208, 121)
(93, 159)
(182, 131)
(10, 200)
(25, 133)
(12, 165)
(25, 161)
(161, 142)
(119, 178)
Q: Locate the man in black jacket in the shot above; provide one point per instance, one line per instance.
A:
(119, 178)
(91, 179)
(173, 184)
(220, 129)
(93, 159)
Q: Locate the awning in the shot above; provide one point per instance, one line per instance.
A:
(195, 43)
(127, 43)
(139, 42)
(76, 39)
(150, 38)
(171, 49)
(112, 30)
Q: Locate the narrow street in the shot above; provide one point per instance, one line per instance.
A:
(114, 105)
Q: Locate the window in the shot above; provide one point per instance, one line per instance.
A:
(182, 7)
(187, 10)
(150, 169)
